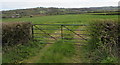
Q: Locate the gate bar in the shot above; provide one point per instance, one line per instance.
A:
(75, 33)
(46, 33)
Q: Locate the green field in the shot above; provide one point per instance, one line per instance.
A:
(54, 53)
(63, 19)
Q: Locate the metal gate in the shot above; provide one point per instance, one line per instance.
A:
(49, 33)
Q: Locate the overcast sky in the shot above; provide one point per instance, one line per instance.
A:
(21, 4)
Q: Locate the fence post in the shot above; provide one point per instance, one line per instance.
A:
(61, 31)
(32, 32)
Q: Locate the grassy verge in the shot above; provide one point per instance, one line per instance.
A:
(20, 52)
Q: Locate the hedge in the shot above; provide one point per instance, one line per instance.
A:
(104, 45)
(15, 32)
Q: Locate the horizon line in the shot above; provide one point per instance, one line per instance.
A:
(53, 7)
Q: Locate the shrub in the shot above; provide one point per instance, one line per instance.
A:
(15, 32)
(103, 45)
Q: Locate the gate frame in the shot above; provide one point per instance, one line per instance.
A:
(61, 27)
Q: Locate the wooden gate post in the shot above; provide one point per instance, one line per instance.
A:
(62, 32)
(32, 32)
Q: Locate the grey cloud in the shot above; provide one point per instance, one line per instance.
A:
(15, 4)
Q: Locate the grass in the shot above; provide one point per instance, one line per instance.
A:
(17, 53)
(60, 50)
(57, 52)
(63, 19)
